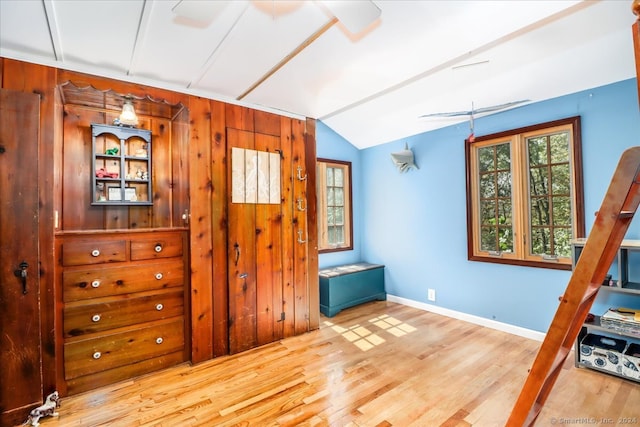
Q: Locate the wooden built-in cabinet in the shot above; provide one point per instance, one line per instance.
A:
(123, 299)
(126, 287)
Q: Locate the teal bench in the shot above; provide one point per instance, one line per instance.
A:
(344, 286)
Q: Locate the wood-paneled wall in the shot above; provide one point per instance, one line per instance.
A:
(20, 354)
(210, 121)
(27, 77)
(196, 183)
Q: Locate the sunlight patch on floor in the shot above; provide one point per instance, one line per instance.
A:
(364, 339)
(392, 325)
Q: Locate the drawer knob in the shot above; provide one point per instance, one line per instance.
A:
(159, 276)
(159, 307)
(95, 283)
(159, 340)
(95, 252)
(97, 355)
(96, 318)
(158, 247)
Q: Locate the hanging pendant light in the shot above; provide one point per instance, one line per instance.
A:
(128, 116)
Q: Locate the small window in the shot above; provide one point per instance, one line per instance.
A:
(524, 195)
(334, 205)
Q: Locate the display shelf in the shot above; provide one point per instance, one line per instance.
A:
(121, 159)
(623, 281)
(596, 325)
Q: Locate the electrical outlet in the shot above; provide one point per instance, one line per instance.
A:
(431, 294)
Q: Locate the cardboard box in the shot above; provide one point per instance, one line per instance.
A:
(621, 320)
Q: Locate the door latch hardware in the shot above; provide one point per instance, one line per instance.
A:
(244, 276)
(236, 246)
(22, 274)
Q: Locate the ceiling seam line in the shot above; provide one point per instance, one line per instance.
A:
(209, 62)
(54, 34)
(140, 34)
(290, 56)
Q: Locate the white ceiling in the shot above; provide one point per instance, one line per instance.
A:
(370, 87)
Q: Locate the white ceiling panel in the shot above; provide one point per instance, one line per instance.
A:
(179, 55)
(18, 39)
(257, 43)
(558, 60)
(290, 57)
(98, 33)
(410, 40)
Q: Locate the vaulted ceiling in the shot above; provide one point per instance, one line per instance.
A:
(306, 59)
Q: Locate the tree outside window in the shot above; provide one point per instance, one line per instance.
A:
(334, 205)
(525, 197)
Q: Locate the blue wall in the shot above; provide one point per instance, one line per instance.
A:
(415, 223)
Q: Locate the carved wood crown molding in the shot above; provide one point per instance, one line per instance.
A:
(109, 99)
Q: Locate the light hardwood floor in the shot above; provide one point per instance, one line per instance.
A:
(378, 364)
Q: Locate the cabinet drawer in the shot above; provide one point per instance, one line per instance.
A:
(113, 350)
(80, 252)
(121, 373)
(112, 280)
(114, 313)
(163, 246)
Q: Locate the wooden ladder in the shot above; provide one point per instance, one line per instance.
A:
(612, 221)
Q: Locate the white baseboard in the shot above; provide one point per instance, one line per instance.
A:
(477, 320)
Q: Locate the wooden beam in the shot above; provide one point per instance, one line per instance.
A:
(290, 56)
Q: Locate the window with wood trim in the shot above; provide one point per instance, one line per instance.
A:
(524, 195)
(334, 205)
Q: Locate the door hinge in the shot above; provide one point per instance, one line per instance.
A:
(282, 315)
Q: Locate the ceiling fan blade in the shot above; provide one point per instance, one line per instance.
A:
(201, 12)
(476, 111)
(354, 15)
(450, 114)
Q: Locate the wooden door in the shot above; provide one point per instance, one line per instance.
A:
(20, 358)
(254, 247)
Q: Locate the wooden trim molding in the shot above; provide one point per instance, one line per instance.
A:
(635, 28)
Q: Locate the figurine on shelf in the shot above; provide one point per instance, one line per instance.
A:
(102, 173)
(111, 151)
(141, 152)
(100, 191)
(142, 174)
